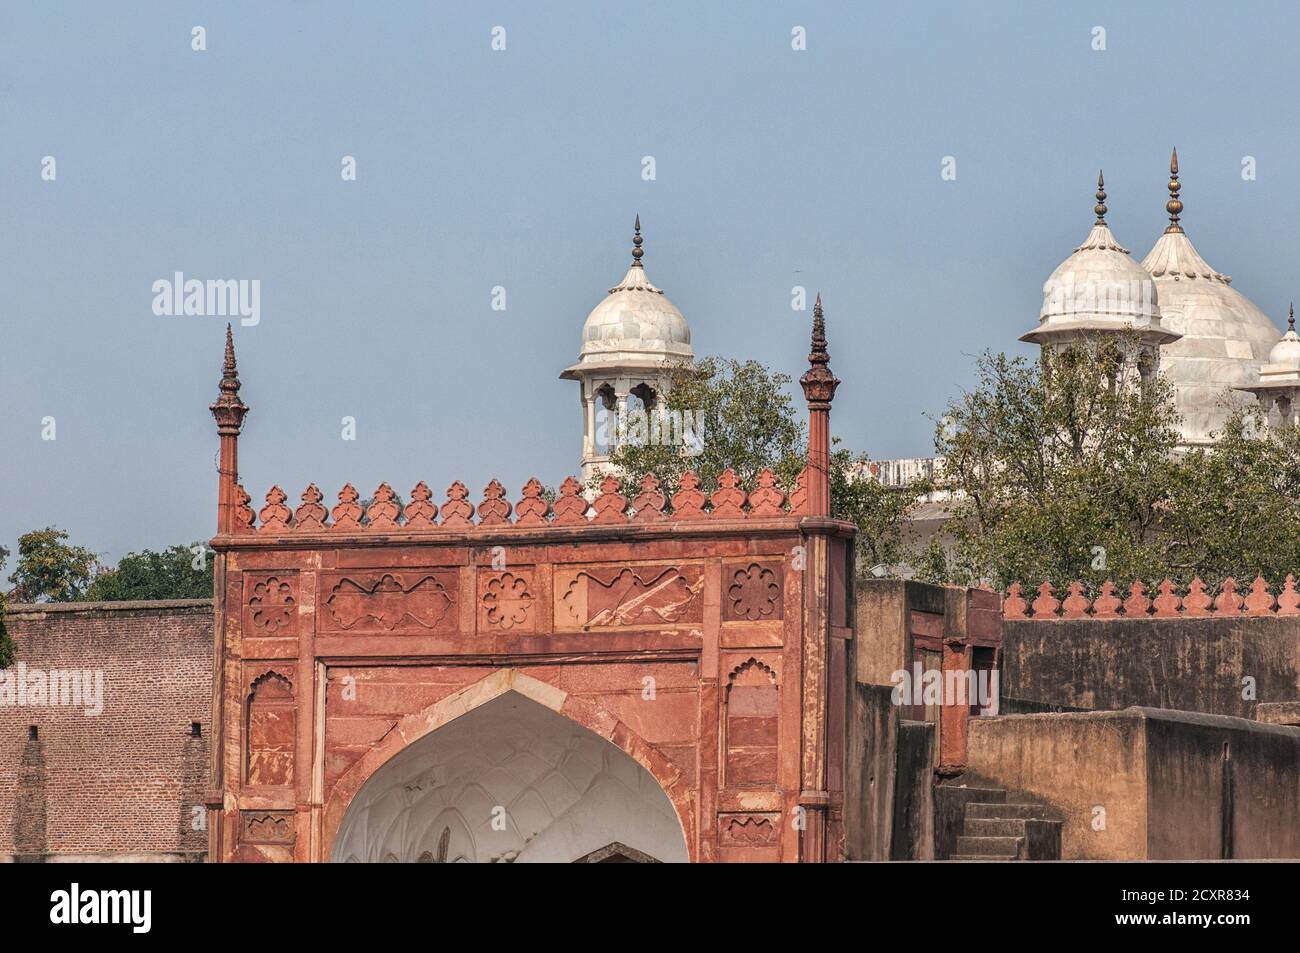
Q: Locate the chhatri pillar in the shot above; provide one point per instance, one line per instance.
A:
(229, 412)
(824, 650)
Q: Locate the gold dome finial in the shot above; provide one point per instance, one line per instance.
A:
(1173, 206)
(636, 244)
(1101, 199)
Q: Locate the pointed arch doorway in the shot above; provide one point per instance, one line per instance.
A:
(510, 781)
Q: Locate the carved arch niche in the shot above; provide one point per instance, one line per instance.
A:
(753, 701)
(270, 717)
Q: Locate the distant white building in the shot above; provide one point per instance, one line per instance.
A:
(1209, 341)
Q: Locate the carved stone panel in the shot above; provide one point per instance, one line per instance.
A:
(507, 601)
(750, 727)
(406, 601)
(271, 605)
(271, 731)
(749, 830)
(752, 592)
(266, 827)
(612, 597)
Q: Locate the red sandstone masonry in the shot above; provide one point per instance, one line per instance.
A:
(123, 782)
(1167, 603)
(610, 507)
(745, 644)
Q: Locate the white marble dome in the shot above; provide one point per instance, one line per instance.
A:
(1099, 289)
(635, 319)
(1225, 339)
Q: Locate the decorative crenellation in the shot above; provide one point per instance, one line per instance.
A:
(613, 505)
(1165, 602)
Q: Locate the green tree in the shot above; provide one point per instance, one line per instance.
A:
(180, 572)
(1232, 508)
(50, 569)
(741, 416)
(748, 421)
(1066, 464)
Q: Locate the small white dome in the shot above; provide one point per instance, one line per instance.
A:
(1286, 352)
(635, 318)
(1098, 289)
(1281, 374)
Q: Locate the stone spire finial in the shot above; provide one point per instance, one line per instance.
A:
(229, 410)
(636, 244)
(1101, 199)
(819, 390)
(818, 382)
(1173, 206)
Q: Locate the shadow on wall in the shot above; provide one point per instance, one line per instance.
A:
(1151, 784)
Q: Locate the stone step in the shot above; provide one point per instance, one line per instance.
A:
(989, 846)
(995, 826)
(1024, 810)
(983, 858)
(983, 795)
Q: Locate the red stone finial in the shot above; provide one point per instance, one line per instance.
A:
(819, 386)
(229, 410)
(818, 382)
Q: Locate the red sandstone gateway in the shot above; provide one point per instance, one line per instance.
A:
(634, 679)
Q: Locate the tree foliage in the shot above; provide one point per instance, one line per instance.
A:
(751, 423)
(1065, 472)
(1234, 508)
(744, 418)
(174, 573)
(48, 568)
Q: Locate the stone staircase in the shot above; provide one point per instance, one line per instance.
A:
(1003, 825)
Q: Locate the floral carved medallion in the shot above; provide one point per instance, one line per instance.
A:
(272, 606)
(754, 594)
(507, 601)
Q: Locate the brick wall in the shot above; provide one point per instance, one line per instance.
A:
(124, 782)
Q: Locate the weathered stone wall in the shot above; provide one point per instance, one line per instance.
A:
(1195, 664)
(1146, 783)
(125, 783)
(892, 758)
(870, 772)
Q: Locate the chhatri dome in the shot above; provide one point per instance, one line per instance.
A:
(633, 343)
(634, 322)
(1100, 290)
(1225, 337)
(1278, 386)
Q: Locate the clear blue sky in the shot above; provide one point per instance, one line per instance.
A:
(522, 168)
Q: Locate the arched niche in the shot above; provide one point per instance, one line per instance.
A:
(509, 781)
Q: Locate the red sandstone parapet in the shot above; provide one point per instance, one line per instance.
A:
(1167, 604)
(384, 514)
